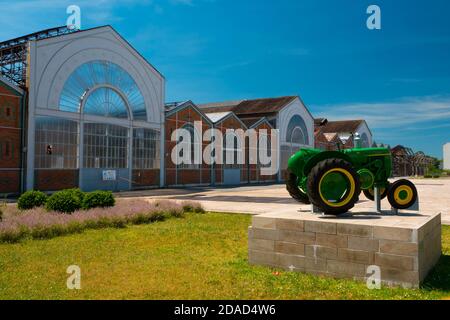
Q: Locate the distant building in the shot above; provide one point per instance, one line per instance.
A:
(406, 162)
(334, 135)
(446, 164)
(287, 114)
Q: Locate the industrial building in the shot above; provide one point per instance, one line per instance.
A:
(85, 109)
(446, 158)
(335, 135)
(93, 112)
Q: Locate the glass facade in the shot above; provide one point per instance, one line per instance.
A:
(102, 74)
(107, 103)
(105, 146)
(365, 140)
(296, 137)
(297, 133)
(146, 149)
(110, 141)
(56, 143)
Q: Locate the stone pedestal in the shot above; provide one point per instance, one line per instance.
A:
(404, 247)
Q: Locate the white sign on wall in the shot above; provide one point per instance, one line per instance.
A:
(109, 175)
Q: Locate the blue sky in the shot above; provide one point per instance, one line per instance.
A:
(397, 78)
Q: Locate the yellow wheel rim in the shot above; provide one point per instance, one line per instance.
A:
(372, 192)
(348, 198)
(403, 195)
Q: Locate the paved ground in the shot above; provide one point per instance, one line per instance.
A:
(434, 195)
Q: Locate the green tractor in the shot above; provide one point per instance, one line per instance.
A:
(333, 180)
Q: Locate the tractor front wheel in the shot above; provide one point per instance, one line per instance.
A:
(370, 193)
(333, 186)
(402, 194)
(294, 190)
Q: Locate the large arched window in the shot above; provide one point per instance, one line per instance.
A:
(105, 78)
(297, 132)
(364, 140)
(106, 102)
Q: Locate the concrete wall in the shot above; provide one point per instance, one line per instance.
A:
(446, 156)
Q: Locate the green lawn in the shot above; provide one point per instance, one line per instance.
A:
(199, 257)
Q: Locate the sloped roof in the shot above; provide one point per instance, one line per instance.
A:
(402, 150)
(174, 107)
(169, 106)
(341, 126)
(255, 122)
(218, 116)
(84, 31)
(320, 121)
(12, 86)
(331, 136)
(251, 121)
(249, 107)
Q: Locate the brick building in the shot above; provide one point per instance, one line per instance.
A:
(85, 109)
(334, 135)
(11, 128)
(184, 115)
(287, 114)
(234, 116)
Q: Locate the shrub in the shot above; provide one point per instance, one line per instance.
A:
(98, 199)
(39, 223)
(190, 206)
(31, 199)
(65, 201)
(76, 193)
(2, 209)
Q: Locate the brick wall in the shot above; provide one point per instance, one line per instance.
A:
(202, 175)
(9, 181)
(184, 176)
(10, 140)
(232, 123)
(52, 180)
(145, 178)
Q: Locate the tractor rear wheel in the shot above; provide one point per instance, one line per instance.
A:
(333, 186)
(402, 194)
(294, 190)
(370, 193)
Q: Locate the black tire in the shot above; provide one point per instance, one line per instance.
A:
(313, 186)
(294, 191)
(393, 194)
(369, 194)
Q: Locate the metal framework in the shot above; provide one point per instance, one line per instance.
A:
(406, 162)
(13, 53)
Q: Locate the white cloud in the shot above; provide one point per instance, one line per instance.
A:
(405, 113)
